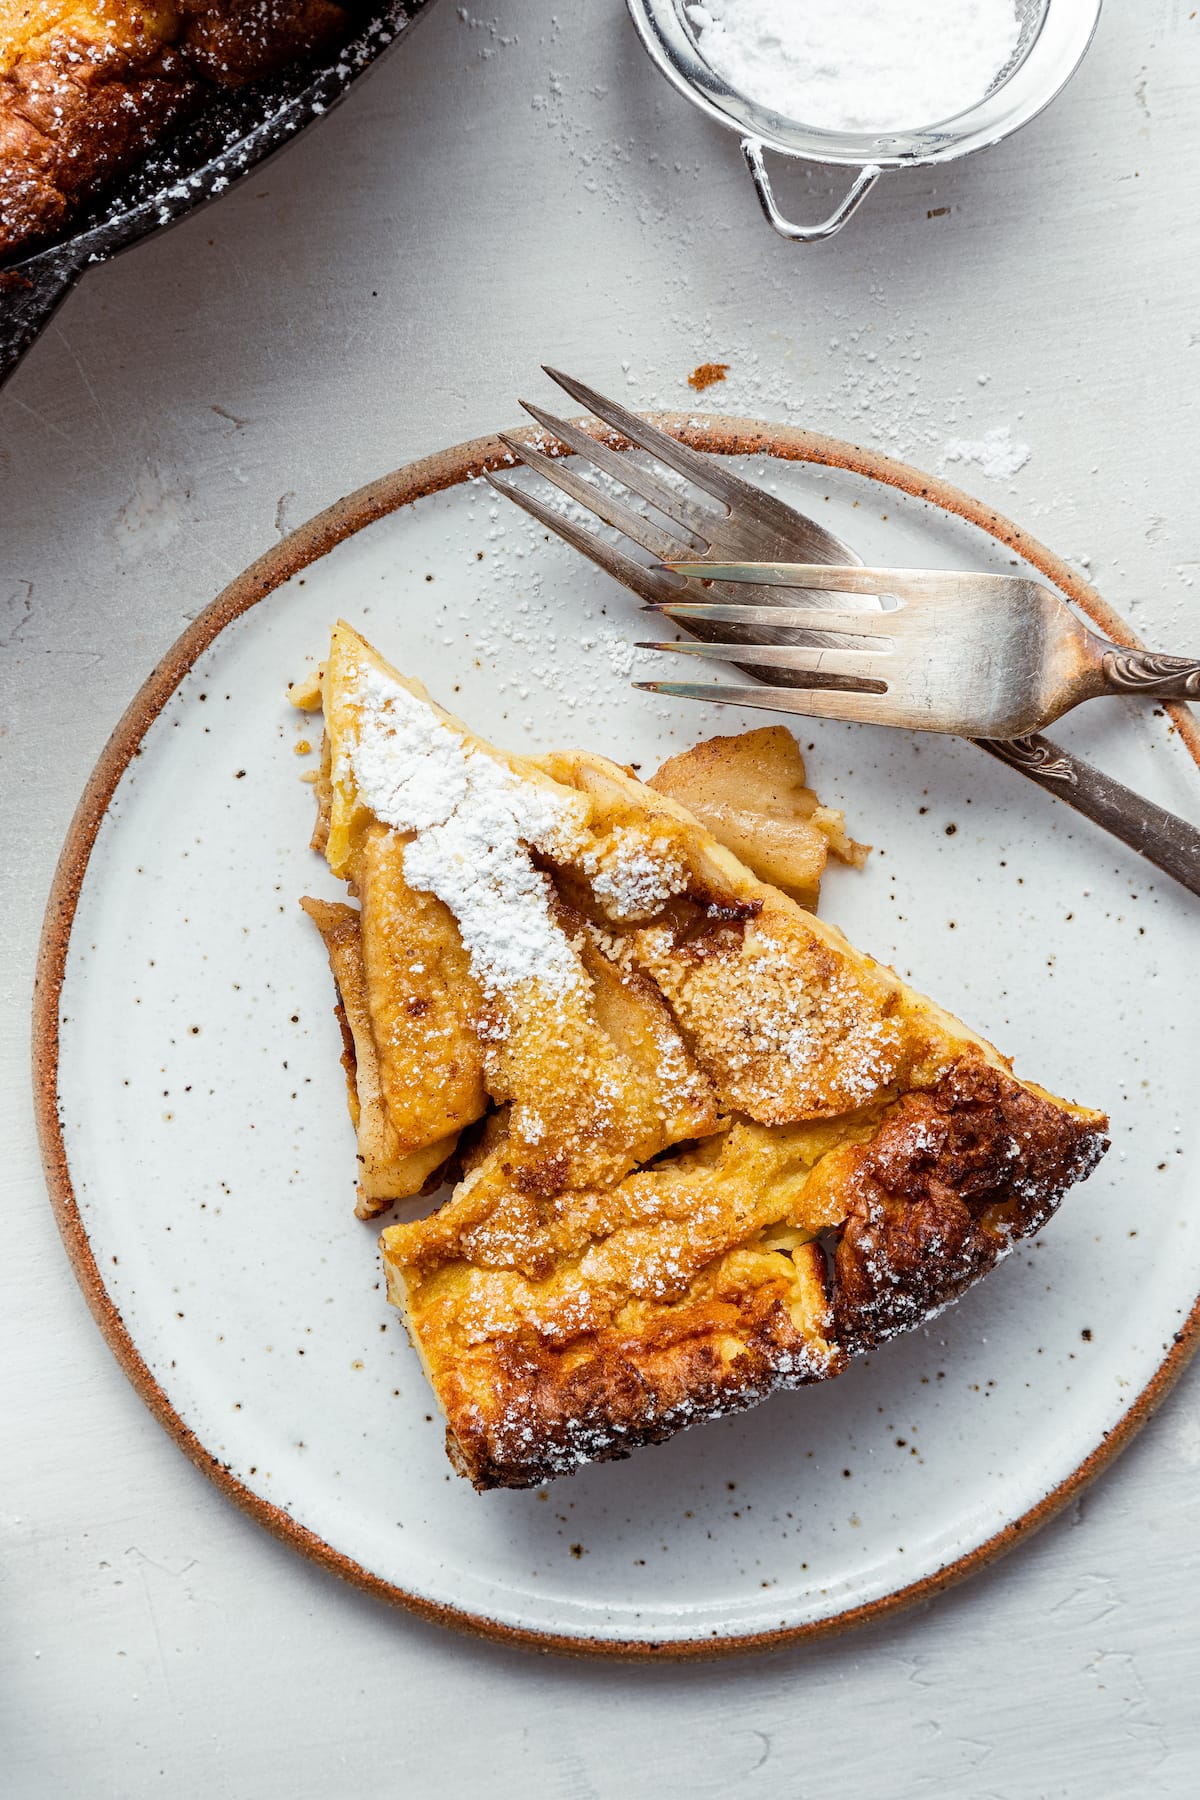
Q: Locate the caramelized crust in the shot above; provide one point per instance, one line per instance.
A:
(952, 1181)
(581, 1325)
(594, 1323)
(88, 86)
(522, 1410)
(73, 115)
(233, 42)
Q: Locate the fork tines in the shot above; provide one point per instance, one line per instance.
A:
(834, 699)
(865, 626)
(856, 666)
(684, 530)
(732, 512)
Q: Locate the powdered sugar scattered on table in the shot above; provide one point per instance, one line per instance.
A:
(475, 824)
(995, 454)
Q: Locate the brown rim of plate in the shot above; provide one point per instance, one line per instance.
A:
(448, 468)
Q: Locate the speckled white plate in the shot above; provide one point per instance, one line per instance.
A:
(202, 1163)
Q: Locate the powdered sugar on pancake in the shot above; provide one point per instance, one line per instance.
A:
(633, 877)
(475, 823)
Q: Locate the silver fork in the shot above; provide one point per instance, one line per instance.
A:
(747, 524)
(738, 527)
(979, 655)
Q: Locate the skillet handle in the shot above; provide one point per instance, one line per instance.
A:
(752, 150)
(29, 294)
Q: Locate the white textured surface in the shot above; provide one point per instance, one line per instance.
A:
(386, 287)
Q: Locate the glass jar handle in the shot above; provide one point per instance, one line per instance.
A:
(752, 150)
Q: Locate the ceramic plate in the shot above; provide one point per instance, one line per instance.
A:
(202, 1162)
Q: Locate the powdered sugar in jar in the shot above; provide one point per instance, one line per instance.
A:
(859, 65)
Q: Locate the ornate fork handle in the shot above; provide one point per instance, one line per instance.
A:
(1163, 838)
(1144, 672)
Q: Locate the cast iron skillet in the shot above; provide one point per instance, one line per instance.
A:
(235, 131)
